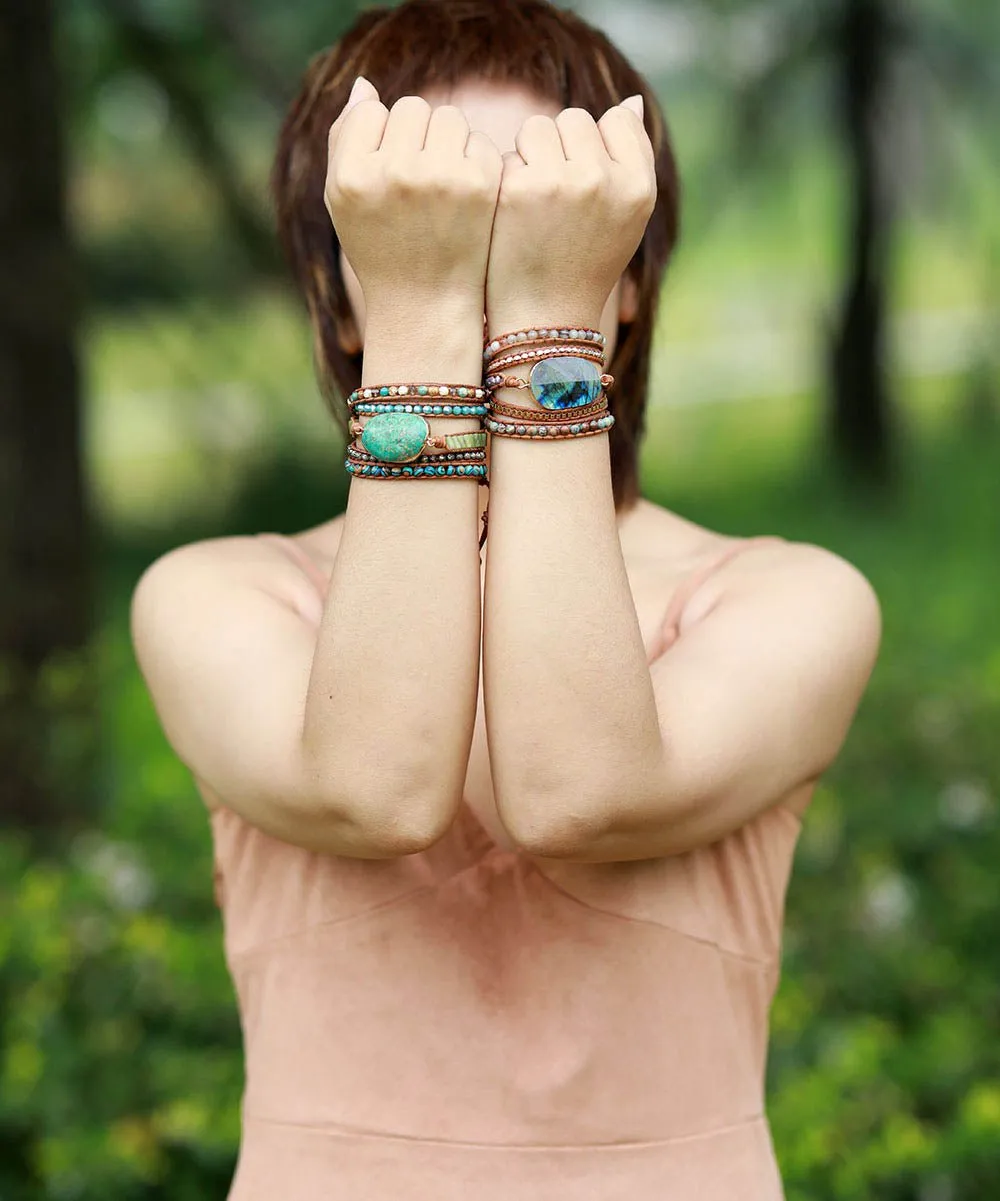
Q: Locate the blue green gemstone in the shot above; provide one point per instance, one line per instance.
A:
(565, 382)
(422, 390)
(395, 437)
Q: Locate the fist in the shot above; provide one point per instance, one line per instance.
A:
(574, 203)
(412, 195)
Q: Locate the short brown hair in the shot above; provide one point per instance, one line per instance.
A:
(443, 43)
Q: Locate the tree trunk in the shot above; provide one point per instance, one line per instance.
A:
(860, 404)
(45, 601)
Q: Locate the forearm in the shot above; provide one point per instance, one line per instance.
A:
(572, 717)
(392, 697)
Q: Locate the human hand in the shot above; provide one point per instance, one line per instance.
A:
(412, 195)
(574, 202)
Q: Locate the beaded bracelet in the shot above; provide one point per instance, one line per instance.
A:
(357, 452)
(544, 352)
(411, 471)
(383, 435)
(543, 335)
(596, 409)
(551, 431)
(446, 391)
(404, 437)
(370, 410)
(560, 382)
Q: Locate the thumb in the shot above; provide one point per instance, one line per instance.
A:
(363, 89)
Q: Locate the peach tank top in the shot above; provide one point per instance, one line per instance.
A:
(453, 1026)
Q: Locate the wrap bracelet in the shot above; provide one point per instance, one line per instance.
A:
(544, 352)
(550, 431)
(522, 336)
(403, 437)
(475, 471)
(373, 408)
(434, 391)
(359, 455)
(542, 416)
(559, 382)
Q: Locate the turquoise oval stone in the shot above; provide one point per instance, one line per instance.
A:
(565, 382)
(395, 437)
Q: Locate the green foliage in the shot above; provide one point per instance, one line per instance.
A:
(121, 1067)
(120, 1046)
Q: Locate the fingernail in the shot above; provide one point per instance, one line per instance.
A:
(635, 103)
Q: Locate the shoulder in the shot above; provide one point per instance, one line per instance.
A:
(210, 563)
(774, 579)
(196, 582)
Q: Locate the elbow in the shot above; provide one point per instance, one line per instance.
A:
(583, 820)
(554, 824)
(381, 815)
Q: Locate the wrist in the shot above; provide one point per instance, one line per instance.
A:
(436, 339)
(561, 312)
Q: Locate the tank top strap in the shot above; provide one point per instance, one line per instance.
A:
(693, 581)
(302, 559)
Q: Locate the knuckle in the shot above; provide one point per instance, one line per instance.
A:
(400, 176)
(348, 182)
(411, 104)
(639, 194)
(450, 113)
(586, 181)
(538, 123)
(574, 116)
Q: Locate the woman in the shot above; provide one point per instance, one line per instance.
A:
(503, 926)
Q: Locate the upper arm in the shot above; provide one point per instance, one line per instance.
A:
(754, 700)
(227, 659)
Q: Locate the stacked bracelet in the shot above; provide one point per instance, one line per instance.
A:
(394, 439)
(417, 470)
(501, 411)
(566, 369)
(534, 354)
(526, 336)
(551, 431)
(508, 421)
(418, 391)
(358, 455)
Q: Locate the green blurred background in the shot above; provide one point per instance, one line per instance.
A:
(828, 368)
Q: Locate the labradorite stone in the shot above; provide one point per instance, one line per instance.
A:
(395, 437)
(565, 382)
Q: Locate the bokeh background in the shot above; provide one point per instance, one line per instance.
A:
(828, 368)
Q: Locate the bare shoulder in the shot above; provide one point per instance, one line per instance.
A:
(778, 573)
(187, 572)
(242, 560)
